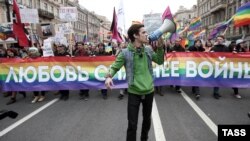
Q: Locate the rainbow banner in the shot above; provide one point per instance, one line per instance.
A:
(66, 73)
(242, 16)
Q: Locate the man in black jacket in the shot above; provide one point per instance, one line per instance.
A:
(61, 51)
(197, 47)
(219, 47)
(177, 48)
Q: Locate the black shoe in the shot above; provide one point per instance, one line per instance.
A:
(120, 97)
(248, 114)
(104, 97)
(86, 98)
(62, 97)
(217, 96)
(82, 97)
(178, 91)
(197, 96)
(23, 93)
(12, 100)
(160, 93)
(66, 97)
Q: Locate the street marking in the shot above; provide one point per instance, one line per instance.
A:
(203, 116)
(14, 125)
(159, 134)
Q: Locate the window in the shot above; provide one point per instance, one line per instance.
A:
(30, 3)
(247, 29)
(61, 1)
(229, 12)
(20, 1)
(46, 6)
(52, 9)
(57, 12)
(38, 4)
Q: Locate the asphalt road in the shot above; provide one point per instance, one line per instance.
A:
(106, 120)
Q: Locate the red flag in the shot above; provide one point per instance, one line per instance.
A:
(18, 27)
(115, 33)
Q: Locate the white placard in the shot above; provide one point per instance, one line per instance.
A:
(29, 15)
(68, 14)
(152, 22)
(59, 39)
(47, 48)
(64, 28)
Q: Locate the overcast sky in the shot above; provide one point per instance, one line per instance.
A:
(134, 9)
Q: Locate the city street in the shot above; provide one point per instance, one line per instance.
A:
(175, 117)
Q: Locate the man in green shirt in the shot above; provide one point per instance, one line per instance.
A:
(137, 60)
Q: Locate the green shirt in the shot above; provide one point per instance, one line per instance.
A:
(143, 81)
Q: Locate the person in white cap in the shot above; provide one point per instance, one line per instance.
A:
(239, 48)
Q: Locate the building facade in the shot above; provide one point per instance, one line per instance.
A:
(183, 16)
(93, 27)
(48, 11)
(80, 26)
(215, 12)
(104, 32)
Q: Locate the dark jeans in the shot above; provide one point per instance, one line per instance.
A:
(195, 90)
(84, 92)
(236, 91)
(64, 93)
(36, 93)
(104, 92)
(216, 90)
(177, 87)
(133, 110)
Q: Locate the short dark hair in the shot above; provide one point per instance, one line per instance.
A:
(221, 36)
(81, 43)
(134, 29)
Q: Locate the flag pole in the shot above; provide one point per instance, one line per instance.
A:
(225, 31)
(243, 32)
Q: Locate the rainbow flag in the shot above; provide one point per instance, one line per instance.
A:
(184, 42)
(195, 23)
(187, 42)
(242, 16)
(190, 34)
(180, 68)
(199, 34)
(178, 27)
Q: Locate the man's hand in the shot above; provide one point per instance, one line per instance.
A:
(158, 43)
(109, 83)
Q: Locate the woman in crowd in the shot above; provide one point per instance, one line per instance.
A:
(197, 47)
(12, 53)
(208, 46)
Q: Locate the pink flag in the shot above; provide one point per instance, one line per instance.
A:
(167, 14)
(115, 33)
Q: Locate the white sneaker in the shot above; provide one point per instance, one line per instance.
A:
(35, 99)
(41, 98)
(237, 96)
